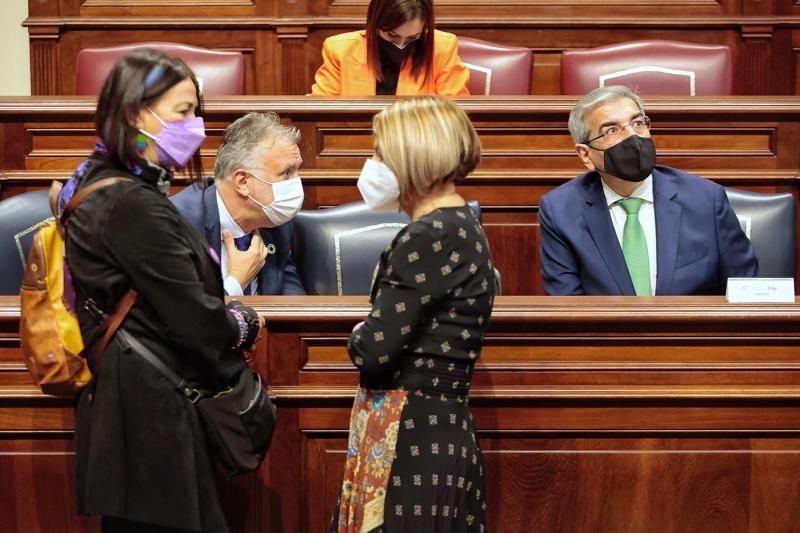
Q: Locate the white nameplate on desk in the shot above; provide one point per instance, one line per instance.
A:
(760, 290)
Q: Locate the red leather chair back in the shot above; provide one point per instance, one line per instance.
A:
(495, 68)
(650, 67)
(219, 73)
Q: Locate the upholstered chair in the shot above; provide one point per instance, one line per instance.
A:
(337, 249)
(219, 72)
(496, 68)
(768, 220)
(650, 67)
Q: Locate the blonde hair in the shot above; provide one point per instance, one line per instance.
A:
(425, 141)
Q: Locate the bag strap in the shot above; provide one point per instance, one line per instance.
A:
(52, 197)
(81, 195)
(112, 323)
(192, 394)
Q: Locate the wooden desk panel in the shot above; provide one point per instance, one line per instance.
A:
(517, 132)
(748, 143)
(594, 414)
(570, 423)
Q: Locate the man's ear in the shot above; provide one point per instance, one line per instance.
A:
(239, 182)
(583, 154)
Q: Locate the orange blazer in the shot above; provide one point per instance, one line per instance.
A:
(344, 71)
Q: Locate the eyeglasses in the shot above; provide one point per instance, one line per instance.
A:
(613, 134)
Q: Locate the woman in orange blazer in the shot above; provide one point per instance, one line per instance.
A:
(399, 53)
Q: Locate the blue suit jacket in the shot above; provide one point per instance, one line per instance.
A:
(699, 241)
(279, 275)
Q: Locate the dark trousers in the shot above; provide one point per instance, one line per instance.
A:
(111, 524)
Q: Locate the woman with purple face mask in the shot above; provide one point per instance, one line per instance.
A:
(142, 459)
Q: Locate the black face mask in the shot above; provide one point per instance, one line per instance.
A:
(396, 55)
(632, 159)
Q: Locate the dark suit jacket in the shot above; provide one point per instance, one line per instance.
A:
(699, 241)
(279, 275)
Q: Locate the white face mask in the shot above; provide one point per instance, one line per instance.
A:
(378, 186)
(287, 199)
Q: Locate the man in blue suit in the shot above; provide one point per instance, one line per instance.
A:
(245, 214)
(629, 227)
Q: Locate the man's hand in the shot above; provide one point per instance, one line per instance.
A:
(244, 266)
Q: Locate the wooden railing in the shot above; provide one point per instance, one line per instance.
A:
(666, 414)
(744, 142)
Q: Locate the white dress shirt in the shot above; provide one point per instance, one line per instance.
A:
(226, 222)
(647, 218)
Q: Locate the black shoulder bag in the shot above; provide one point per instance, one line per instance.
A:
(238, 421)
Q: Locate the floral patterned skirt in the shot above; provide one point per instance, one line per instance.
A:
(413, 464)
(374, 423)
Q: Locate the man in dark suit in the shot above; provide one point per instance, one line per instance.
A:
(246, 214)
(629, 227)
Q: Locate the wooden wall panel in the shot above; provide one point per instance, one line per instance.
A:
(594, 414)
(38, 490)
(759, 33)
(574, 465)
(44, 62)
(556, 480)
(165, 8)
(517, 132)
(748, 143)
(343, 8)
(755, 52)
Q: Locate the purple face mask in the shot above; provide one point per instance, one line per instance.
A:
(177, 142)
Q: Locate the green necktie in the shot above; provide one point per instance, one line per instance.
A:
(634, 247)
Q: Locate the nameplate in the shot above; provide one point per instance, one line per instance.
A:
(760, 290)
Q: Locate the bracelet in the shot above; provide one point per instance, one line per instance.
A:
(242, 326)
(253, 326)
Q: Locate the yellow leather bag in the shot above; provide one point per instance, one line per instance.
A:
(52, 344)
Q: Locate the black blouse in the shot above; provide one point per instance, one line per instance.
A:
(391, 73)
(433, 295)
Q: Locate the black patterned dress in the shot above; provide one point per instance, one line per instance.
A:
(413, 461)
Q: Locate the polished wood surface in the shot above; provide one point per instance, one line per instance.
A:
(744, 142)
(282, 41)
(595, 414)
(525, 132)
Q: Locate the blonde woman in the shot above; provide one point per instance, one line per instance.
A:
(413, 461)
